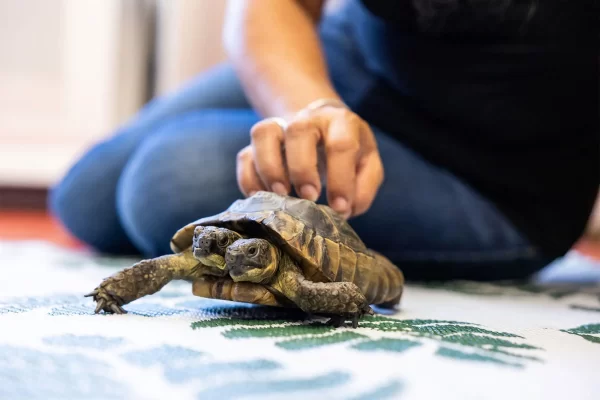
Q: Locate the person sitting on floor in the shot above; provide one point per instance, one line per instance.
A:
(460, 138)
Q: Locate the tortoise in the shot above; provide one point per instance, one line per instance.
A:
(267, 249)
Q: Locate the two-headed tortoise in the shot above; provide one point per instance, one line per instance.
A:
(271, 250)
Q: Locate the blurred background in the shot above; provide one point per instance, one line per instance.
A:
(72, 70)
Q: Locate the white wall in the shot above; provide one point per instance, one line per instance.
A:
(71, 71)
(189, 40)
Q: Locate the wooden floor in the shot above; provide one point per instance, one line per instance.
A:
(38, 225)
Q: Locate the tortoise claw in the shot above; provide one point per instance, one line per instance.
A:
(355, 321)
(107, 301)
(100, 305)
(117, 309)
(340, 320)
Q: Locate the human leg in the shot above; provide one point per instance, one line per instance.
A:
(426, 220)
(148, 184)
(85, 198)
(453, 231)
(434, 226)
(184, 171)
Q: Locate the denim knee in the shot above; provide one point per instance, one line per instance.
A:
(183, 171)
(84, 200)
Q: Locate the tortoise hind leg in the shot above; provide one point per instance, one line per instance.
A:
(143, 278)
(340, 301)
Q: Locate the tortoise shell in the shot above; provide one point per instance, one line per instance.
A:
(319, 239)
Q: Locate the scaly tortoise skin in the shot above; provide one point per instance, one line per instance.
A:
(271, 250)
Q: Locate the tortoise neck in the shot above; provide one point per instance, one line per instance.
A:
(277, 257)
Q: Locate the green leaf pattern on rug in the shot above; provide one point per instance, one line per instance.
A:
(458, 354)
(457, 340)
(234, 390)
(587, 332)
(312, 340)
(388, 344)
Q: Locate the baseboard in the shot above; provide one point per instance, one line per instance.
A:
(23, 198)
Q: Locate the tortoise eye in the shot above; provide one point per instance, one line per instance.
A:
(222, 241)
(252, 251)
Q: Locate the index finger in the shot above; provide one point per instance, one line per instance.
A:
(342, 147)
(267, 139)
(302, 138)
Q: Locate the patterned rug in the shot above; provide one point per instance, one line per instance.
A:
(459, 340)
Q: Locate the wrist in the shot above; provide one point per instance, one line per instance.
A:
(317, 104)
(324, 102)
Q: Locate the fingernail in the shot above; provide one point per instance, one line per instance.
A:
(279, 188)
(309, 192)
(340, 205)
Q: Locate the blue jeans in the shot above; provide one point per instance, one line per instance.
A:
(175, 162)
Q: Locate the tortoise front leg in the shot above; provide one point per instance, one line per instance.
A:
(144, 278)
(340, 301)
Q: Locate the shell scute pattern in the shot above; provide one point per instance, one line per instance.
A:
(320, 240)
(325, 246)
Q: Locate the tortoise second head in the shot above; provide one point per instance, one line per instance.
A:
(210, 243)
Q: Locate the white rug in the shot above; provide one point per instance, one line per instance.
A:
(454, 341)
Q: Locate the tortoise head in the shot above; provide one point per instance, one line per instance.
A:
(210, 243)
(252, 260)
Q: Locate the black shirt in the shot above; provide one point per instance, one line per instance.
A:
(506, 101)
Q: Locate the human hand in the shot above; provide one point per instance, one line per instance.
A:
(354, 171)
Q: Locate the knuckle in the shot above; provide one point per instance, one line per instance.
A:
(342, 144)
(347, 115)
(299, 128)
(261, 130)
(350, 116)
(244, 154)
